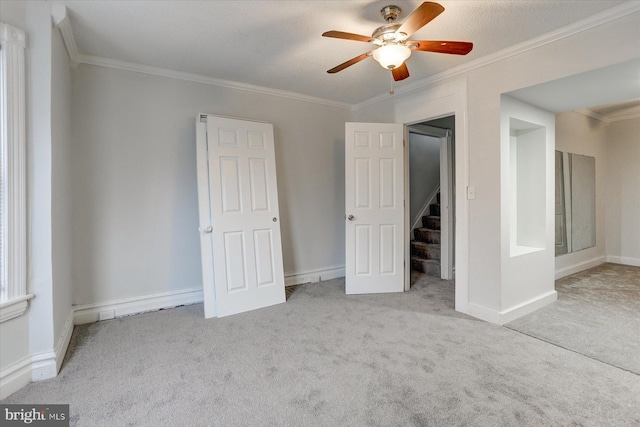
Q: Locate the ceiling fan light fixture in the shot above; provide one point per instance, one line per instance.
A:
(391, 56)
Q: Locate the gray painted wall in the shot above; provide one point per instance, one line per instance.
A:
(424, 171)
(623, 184)
(135, 216)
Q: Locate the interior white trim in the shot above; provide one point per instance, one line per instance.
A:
(619, 117)
(515, 312)
(607, 120)
(89, 313)
(604, 17)
(13, 140)
(63, 340)
(62, 21)
(592, 114)
(15, 376)
(36, 367)
(14, 308)
(572, 269)
(314, 276)
(43, 366)
(506, 316)
(440, 100)
(417, 221)
(197, 78)
(483, 313)
(624, 260)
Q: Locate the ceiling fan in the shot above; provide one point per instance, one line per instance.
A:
(393, 47)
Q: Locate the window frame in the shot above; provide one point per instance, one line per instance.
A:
(14, 299)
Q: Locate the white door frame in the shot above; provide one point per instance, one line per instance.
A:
(447, 206)
(446, 197)
(434, 102)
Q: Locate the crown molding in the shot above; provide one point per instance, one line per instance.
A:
(62, 22)
(197, 78)
(601, 18)
(61, 19)
(608, 119)
(620, 117)
(592, 114)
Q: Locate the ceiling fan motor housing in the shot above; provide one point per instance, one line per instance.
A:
(387, 33)
(390, 13)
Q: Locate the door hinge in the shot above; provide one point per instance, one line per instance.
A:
(203, 118)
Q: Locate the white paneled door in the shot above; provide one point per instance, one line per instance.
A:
(244, 226)
(374, 176)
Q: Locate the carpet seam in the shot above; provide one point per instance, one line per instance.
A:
(572, 351)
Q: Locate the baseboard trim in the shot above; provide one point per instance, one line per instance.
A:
(37, 367)
(314, 276)
(89, 313)
(506, 316)
(635, 262)
(483, 313)
(576, 268)
(15, 376)
(43, 366)
(527, 307)
(63, 340)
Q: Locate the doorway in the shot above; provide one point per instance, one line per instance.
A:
(431, 195)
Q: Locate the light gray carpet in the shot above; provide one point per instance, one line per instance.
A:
(328, 359)
(597, 314)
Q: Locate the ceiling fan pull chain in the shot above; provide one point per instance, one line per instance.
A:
(391, 91)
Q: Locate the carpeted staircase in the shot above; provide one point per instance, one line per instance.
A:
(425, 248)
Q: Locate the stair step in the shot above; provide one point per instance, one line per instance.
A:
(434, 209)
(432, 222)
(429, 266)
(425, 250)
(427, 235)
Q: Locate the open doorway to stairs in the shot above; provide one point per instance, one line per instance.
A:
(431, 198)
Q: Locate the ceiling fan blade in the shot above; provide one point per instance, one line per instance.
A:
(420, 17)
(441, 46)
(347, 36)
(400, 73)
(350, 62)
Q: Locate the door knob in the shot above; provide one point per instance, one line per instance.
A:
(351, 217)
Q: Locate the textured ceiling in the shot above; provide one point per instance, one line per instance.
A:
(278, 44)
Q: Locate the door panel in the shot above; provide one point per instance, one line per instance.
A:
(374, 171)
(247, 255)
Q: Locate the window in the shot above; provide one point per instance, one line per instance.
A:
(13, 254)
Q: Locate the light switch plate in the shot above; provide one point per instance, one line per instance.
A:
(471, 192)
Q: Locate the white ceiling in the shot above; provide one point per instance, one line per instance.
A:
(278, 44)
